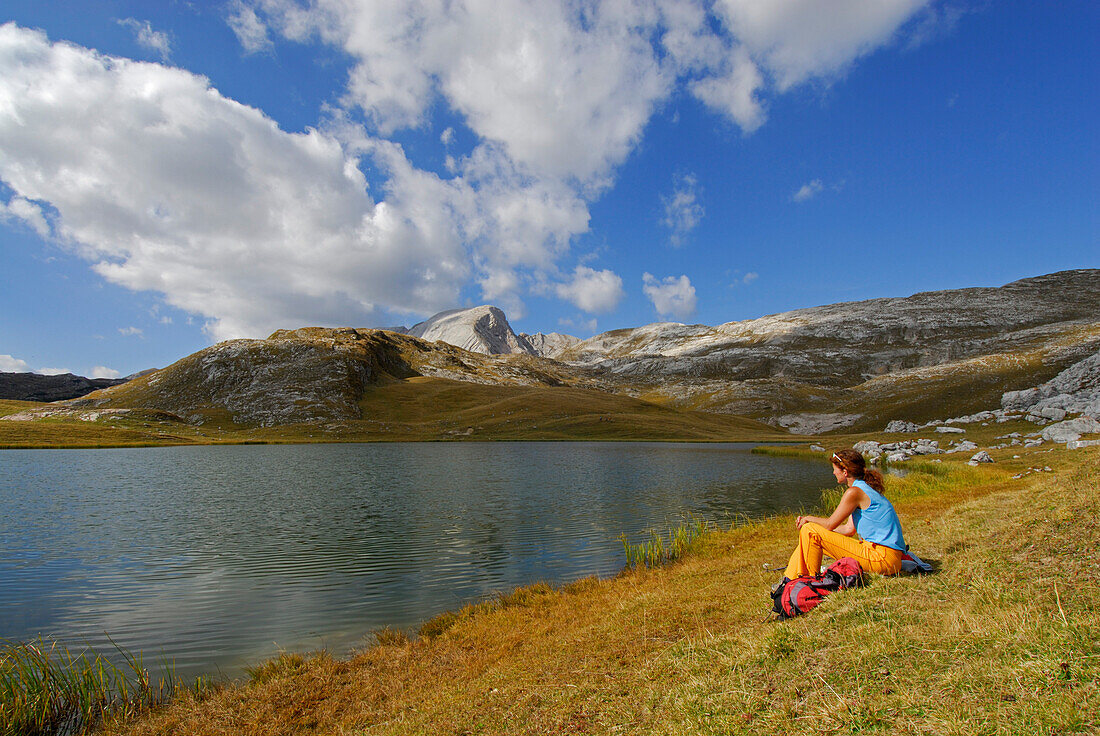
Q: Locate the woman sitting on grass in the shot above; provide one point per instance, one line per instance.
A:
(862, 509)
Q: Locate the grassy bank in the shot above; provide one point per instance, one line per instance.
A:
(1003, 639)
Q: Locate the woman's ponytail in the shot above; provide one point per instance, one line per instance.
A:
(874, 479)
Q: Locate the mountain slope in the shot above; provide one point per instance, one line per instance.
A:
(851, 367)
(863, 361)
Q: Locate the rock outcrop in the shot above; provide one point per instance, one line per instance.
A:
(550, 345)
(1074, 390)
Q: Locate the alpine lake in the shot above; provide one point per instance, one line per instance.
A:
(214, 558)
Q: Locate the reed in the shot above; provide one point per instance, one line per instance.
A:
(46, 688)
(799, 451)
(658, 550)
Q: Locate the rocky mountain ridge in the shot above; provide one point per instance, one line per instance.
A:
(852, 366)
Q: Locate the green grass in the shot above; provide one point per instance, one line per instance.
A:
(662, 550)
(46, 688)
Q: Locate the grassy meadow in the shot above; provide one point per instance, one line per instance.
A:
(1004, 638)
(414, 409)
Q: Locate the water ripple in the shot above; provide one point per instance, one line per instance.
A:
(217, 556)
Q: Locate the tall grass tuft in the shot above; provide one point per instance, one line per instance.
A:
(658, 550)
(45, 688)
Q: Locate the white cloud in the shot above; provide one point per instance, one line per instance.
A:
(170, 187)
(447, 137)
(750, 277)
(101, 371)
(130, 331)
(596, 292)
(249, 29)
(800, 39)
(155, 41)
(735, 92)
(564, 90)
(672, 296)
(683, 212)
(808, 191)
(52, 371)
(27, 212)
(8, 364)
(167, 186)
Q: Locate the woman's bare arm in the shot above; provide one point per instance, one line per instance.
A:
(840, 520)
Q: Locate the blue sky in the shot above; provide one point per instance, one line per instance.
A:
(176, 173)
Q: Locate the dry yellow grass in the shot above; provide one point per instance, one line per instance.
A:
(1004, 639)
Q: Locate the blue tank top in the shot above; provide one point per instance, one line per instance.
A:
(878, 522)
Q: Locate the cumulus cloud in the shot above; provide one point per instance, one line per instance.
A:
(682, 209)
(800, 39)
(564, 90)
(101, 371)
(165, 185)
(147, 38)
(671, 296)
(8, 364)
(130, 331)
(808, 191)
(596, 292)
(52, 371)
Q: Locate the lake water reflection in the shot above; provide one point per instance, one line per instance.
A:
(217, 557)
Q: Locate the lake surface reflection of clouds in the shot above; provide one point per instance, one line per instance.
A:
(216, 557)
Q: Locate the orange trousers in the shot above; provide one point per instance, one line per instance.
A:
(815, 540)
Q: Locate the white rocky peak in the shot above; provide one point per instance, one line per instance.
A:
(482, 329)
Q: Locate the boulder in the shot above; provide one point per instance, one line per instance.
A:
(950, 430)
(869, 449)
(900, 425)
(964, 446)
(1053, 413)
(1071, 430)
(980, 457)
(898, 456)
(1081, 443)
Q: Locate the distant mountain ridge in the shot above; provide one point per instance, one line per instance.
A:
(852, 366)
(37, 387)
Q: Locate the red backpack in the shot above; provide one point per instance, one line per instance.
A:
(800, 595)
